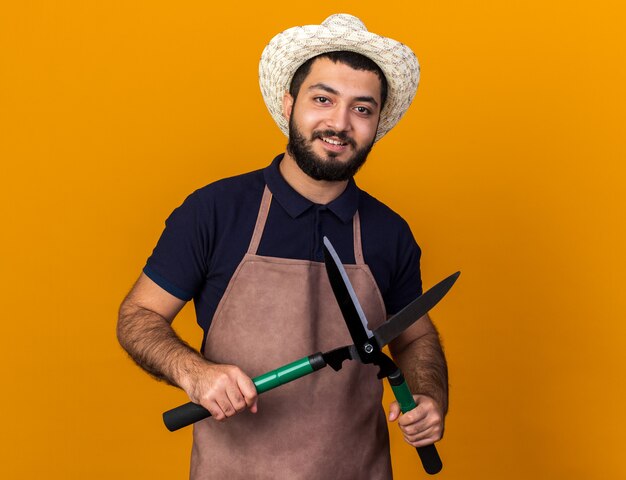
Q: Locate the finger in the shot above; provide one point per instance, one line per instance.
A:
(419, 434)
(254, 407)
(394, 411)
(417, 415)
(414, 428)
(235, 398)
(424, 443)
(432, 420)
(247, 389)
(216, 412)
(425, 437)
(421, 439)
(224, 404)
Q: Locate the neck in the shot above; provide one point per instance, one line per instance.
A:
(317, 191)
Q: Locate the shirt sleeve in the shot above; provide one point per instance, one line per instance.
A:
(178, 263)
(406, 282)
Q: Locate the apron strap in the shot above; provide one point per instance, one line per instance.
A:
(356, 235)
(260, 221)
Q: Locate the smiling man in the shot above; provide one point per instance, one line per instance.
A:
(248, 251)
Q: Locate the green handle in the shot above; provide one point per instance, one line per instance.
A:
(282, 375)
(428, 454)
(189, 413)
(404, 397)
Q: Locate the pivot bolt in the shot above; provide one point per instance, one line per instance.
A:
(368, 348)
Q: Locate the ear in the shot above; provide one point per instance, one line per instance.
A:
(287, 105)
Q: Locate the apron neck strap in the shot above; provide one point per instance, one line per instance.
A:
(356, 235)
(260, 221)
(261, 218)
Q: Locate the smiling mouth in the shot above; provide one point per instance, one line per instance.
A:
(334, 138)
(332, 141)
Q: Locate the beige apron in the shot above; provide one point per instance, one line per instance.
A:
(327, 425)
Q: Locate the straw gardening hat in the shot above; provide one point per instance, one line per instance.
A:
(290, 49)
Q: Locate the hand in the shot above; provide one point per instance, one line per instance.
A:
(224, 390)
(421, 426)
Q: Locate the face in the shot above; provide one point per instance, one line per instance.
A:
(333, 121)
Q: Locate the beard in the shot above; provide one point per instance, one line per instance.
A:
(329, 169)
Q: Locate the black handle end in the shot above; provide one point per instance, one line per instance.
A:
(184, 415)
(430, 459)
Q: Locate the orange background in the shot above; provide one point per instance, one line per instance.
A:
(509, 166)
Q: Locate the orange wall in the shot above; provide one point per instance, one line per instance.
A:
(509, 166)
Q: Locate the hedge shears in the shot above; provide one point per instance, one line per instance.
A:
(367, 349)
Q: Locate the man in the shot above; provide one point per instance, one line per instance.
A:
(248, 251)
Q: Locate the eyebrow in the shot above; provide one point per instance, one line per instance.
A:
(329, 89)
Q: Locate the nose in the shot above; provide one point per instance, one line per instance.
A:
(339, 119)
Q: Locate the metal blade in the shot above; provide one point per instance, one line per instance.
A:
(346, 297)
(413, 311)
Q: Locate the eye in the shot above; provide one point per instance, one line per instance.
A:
(322, 100)
(363, 110)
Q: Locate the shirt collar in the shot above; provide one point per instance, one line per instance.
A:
(344, 206)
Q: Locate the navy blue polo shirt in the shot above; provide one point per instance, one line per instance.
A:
(206, 238)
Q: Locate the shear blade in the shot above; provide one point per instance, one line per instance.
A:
(346, 297)
(413, 311)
